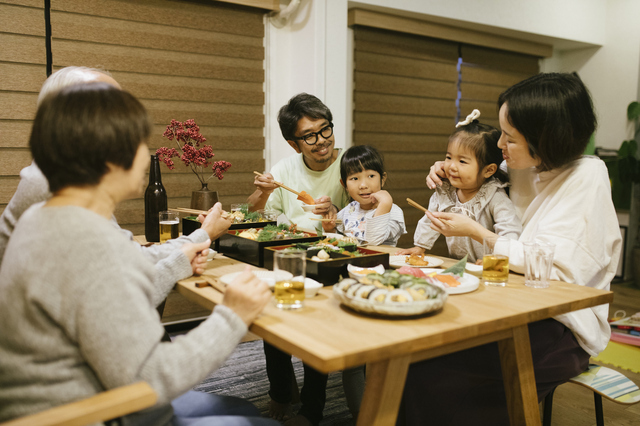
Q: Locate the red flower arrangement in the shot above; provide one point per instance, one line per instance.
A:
(188, 138)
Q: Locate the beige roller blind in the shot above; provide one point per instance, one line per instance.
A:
(22, 72)
(200, 60)
(405, 89)
(485, 73)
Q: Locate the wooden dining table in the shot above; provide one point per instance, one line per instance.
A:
(330, 337)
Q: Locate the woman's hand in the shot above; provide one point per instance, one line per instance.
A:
(197, 255)
(436, 174)
(410, 251)
(247, 296)
(265, 183)
(213, 222)
(329, 226)
(323, 205)
(457, 225)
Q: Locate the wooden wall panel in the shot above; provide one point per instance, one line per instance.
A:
(404, 105)
(22, 72)
(183, 60)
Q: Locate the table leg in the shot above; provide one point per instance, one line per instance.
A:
(519, 380)
(383, 391)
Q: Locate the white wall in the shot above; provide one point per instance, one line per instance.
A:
(600, 39)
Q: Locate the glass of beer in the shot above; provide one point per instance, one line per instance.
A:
(169, 222)
(289, 268)
(495, 262)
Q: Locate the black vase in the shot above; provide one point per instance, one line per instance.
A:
(155, 201)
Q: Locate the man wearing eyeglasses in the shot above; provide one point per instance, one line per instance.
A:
(306, 124)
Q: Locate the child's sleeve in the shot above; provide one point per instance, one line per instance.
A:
(506, 222)
(424, 236)
(386, 228)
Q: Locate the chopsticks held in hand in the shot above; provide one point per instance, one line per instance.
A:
(224, 214)
(419, 207)
(325, 220)
(302, 196)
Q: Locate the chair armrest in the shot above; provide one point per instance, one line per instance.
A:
(101, 407)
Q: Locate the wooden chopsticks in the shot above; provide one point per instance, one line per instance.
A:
(419, 207)
(192, 211)
(325, 220)
(281, 185)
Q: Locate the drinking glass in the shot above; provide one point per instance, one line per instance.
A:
(236, 207)
(269, 215)
(289, 269)
(495, 262)
(538, 259)
(169, 223)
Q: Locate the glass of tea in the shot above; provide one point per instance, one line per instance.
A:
(169, 223)
(495, 262)
(289, 268)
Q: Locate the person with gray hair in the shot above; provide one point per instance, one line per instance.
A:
(34, 188)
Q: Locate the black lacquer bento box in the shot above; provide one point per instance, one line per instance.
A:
(190, 224)
(328, 272)
(252, 251)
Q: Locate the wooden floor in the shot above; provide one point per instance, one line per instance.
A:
(573, 404)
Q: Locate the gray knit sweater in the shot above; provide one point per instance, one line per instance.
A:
(34, 188)
(77, 316)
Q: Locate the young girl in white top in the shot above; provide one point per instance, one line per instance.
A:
(475, 188)
(371, 216)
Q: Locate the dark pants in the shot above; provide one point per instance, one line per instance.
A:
(466, 388)
(280, 373)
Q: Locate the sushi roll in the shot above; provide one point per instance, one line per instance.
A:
(351, 291)
(379, 295)
(364, 291)
(398, 296)
(346, 283)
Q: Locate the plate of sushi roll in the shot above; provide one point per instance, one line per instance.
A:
(390, 294)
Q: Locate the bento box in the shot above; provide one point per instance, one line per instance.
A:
(190, 224)
(329, 271)
(251, 251)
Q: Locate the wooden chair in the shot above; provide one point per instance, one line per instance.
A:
(104, 406)
(602, 381)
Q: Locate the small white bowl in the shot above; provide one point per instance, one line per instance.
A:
(353, 270)
(311, 287)
(308, 207)
(472, 267)
(212, 254)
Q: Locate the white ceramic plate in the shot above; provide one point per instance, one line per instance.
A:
(472, 267)
(353, 270)
(267, 276)
(399, 262)
(311, 287)
(468, 282)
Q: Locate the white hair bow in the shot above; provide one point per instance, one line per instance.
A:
(475, 114)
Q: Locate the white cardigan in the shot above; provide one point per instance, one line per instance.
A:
(571, 207)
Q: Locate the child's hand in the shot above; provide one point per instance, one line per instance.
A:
(383, 202)
(329, 225)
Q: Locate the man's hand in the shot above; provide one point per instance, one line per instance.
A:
(436, 174)
(247, 296)
(410, 251)
(323, 205)
(197, 255)
(265, 183)
(213, 222)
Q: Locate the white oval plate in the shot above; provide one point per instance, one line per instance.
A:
(353, 270)
(267, 276)
(468, 282)
(399, 261)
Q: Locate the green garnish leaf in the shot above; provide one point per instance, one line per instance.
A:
(457, 268)
(319, 230)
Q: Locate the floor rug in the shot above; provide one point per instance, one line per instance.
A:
(244, 375)
(622, 356)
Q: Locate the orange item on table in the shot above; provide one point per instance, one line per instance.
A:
(306, 198)
(449, 280)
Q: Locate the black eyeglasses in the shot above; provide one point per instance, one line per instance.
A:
(312, 138)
